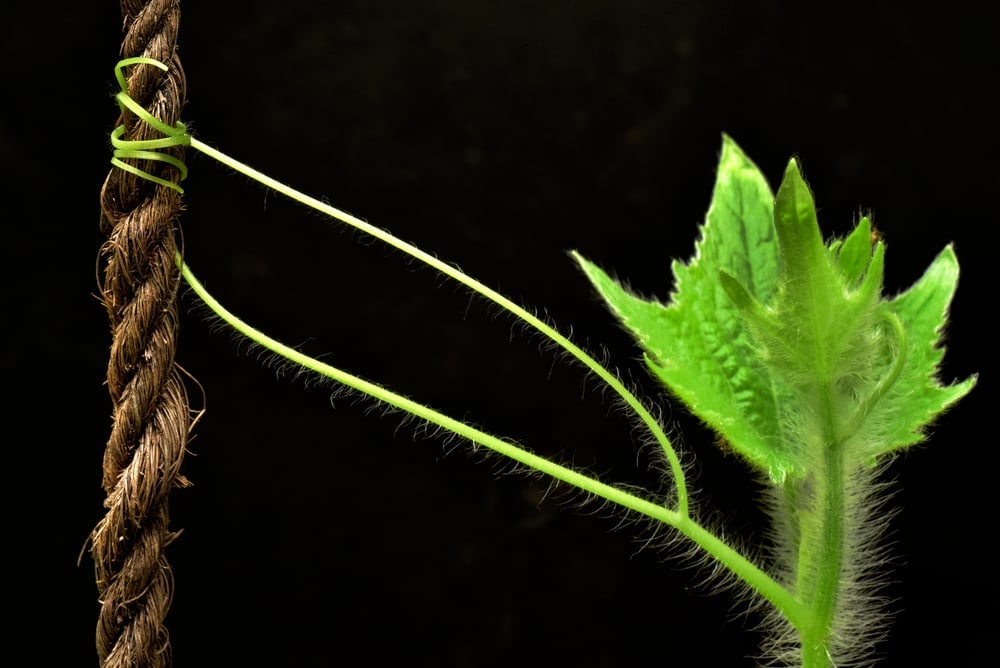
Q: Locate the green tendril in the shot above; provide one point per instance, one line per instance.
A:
(128, 149)
(885, 384)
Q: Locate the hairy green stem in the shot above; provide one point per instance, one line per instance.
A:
(821, 550)
(820, 572)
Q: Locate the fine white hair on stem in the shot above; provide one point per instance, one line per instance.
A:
(862, 613)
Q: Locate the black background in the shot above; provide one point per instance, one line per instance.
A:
(497, 136)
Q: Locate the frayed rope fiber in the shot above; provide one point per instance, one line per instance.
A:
(151, 416)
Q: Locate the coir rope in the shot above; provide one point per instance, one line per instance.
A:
(151, 416)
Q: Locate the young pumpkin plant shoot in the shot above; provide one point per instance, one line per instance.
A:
(783, 344)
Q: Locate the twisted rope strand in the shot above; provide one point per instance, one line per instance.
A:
(151, 416)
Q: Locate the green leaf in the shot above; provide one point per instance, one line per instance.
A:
(855, 253)
(918, 397)
(819, 328)
(781, 343)
(698, 345)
